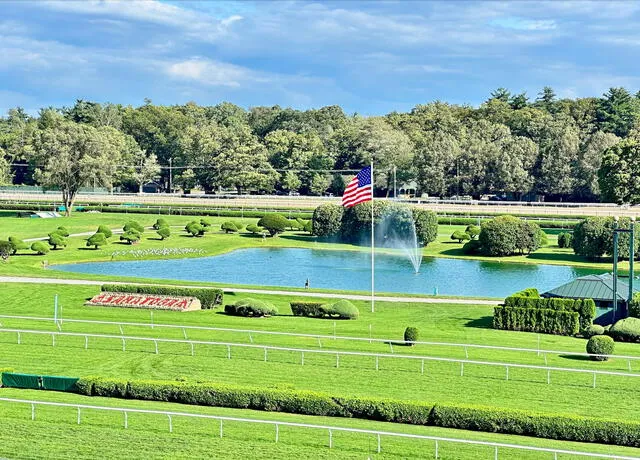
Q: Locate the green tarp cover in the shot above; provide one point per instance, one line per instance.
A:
(38, 382)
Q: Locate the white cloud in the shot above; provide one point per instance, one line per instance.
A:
(209, 72)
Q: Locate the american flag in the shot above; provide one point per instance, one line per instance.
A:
(359, 189)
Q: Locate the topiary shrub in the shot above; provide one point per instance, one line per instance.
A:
(97, 240)
(40, 247)
(160, 223)
(426, 225)
(6, 249)
(56, 240)
(205, 223)
(106, 231)
(565, 240)
(63, 231)
(473, 231)
(229, 227)
(600, 347)
(411, 335)
(164, 233)
(130, 237)
(594, 329)
(253, 228)
(309, 309)
(460, 236)
(17, 244)
(343, 309)
(273, 223)
(634, 305)
(238, 225)
(251, 307)
(626, 330)
(472, 247)
(133, 225)
(327, 219)
(195, 228)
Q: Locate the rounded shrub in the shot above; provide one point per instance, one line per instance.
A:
(63, 231)
(344, 309)
(56, 240)
(40, 247)
(472, 247)
(133, 225)
(106, 231)
(426, 225)
(273, 223)
(634, 305)
(229, 227)
(238, 225)
(130, 237)
(600, 347)
(253, 228)
(411, 335)
(160, 223)
(327, 219)
(626, 330)
(17, 244)
(205, 223)
(508, 235)
(460, 236)
(473, 231)
(594, 329)
(195, 228)
(97, 240)
(251, 307)
(565, 240)
(164, 233)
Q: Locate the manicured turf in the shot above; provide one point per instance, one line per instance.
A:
(55, 433)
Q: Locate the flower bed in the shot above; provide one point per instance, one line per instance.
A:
(157, 302)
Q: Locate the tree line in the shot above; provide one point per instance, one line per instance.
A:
(509, 145)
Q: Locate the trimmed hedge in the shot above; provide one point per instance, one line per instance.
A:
(586, 308)
(411, 335)
(542, 320)
(208, 297)
(625, 330)
(342, 309)
(468, 417)
(251, 307)
(600, 346)
(592, 330)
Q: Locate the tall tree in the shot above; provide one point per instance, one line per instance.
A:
(619, 174)
(617, 112)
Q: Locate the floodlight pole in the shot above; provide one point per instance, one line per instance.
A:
(632, 238)
(615, 268)
(373, 298)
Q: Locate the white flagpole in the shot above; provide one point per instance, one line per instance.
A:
(373, 298)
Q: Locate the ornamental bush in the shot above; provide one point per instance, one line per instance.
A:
(472, 247)
(130, 237)
(327, 220)
(626, 330)
(594, 329)
(460, 236)
(343, 309)
(57, 240)
(6, 249)
(310, 309)
(63, 231)
(133, 225)
(251, 307)
(195, 228)
(106, 231)
(273, 223)
(473, 231)
(426, 223)
(586, 308)
(238, 225)
(634, 305)
(17, 244)
(205, 223)
(508, 235)
(600, 347)
(542, 320)
(40, 247)
(565, 240)
(208, 297)
(164, 233)
(97, 240)
(160, 223)
(411, 335)
(229, 227)
(253, 228)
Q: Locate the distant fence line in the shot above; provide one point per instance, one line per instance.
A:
(390, 342)
(302, 351)
(330, 429)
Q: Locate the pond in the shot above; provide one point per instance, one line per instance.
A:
(347, 270)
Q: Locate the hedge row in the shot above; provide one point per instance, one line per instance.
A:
(208, 297)
(251, 307)
(586, 308)
(478, 418)
(342, 309)
(542, 320)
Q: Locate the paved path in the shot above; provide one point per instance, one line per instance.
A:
(19, 279)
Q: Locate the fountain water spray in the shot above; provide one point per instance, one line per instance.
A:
(402, 235)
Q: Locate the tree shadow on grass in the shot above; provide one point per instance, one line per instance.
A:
(88, 248)
(454, 252)
(299, 237)
(575, 357)
(485, 322)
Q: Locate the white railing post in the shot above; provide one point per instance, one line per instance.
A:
(337, 360)
(330, 439)
(124, 345)
(33, 411)
(277, 432)
(126, 420)
(78, 416)
(86, 342)
(228, 351)
(170, 424)
(221, 429)
(302, 358)
(377, 367)
(378, 443)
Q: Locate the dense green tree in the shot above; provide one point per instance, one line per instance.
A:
(618, 111)
(273, 223)
(619, 174)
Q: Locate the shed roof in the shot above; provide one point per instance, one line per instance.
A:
(596, 287)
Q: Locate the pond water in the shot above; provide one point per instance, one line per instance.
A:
(345, 270)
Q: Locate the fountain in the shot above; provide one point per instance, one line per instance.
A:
(401, 234)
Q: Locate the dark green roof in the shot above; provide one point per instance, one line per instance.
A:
(596, 287)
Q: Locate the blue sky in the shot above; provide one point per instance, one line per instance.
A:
(369, 57)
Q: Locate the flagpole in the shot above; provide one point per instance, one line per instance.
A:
(373, 298)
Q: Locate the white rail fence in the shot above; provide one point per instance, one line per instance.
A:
(328, 428)
(337, 353)
(253, 332)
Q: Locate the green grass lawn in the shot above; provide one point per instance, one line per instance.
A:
(55, 433)
(400, 379)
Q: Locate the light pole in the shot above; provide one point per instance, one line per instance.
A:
(616, 232)
(395, 188)
(632, 238)
(170, 171)
(615, 268)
